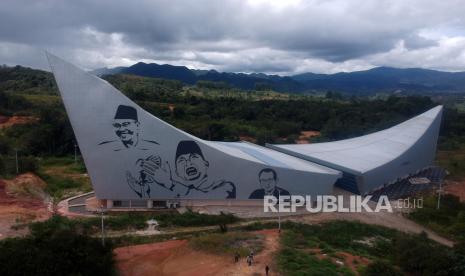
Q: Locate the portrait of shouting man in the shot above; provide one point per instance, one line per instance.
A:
(190, 177)
(192, 171)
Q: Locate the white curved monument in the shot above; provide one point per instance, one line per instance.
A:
(132, 155)
(375, 159)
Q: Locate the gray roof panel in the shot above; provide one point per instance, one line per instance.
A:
(365, 153)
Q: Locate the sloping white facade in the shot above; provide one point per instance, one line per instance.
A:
(381, 157)
(131, 154)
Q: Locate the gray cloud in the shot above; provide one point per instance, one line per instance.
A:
(248, 36)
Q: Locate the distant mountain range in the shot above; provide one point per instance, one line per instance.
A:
(380, 79)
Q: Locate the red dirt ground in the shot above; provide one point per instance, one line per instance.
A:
(167, 258)
(456, 188)
(21, 201)
(16, 120)
(305, 135)
(261, 260)
(3, 119)
(247, 138)
(176, 258)
(353, 261)
(349, 260)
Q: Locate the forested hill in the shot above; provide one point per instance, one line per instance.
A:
(380, 79)
(26, 80)
(185, 75)
(212, 111)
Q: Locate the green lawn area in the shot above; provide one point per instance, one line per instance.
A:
(449, 220)
(388, 250)
(228, 243)
(453, 161)
(137, 220)
(64, 176)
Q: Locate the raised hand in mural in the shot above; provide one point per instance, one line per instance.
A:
(137, 186)
(155, 170)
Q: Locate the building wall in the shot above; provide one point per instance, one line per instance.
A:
(420, 155)
(130, 154)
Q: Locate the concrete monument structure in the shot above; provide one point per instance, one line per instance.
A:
(133, 156)
(379, 158)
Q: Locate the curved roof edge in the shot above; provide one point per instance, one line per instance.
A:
(365, 153)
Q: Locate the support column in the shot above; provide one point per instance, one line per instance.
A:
(109, 203)
(150, 204)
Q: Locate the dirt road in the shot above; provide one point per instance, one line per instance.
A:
(168, 258)
(176, 258)
(261, 260)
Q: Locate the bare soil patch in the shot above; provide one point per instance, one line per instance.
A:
(167, 258)
(16, 120)
(306, 135)
(247, 138)
(354, 262)
(22, 200)
(3, 119)
(456, 188)
(177, 258)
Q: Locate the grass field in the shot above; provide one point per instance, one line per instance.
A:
(64, 176)
(316, 250)
(448, 221)
(228, 243)
(453, 161)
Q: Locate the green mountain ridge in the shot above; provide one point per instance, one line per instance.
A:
(379, 79)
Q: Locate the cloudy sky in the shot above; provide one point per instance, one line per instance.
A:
(281, 36)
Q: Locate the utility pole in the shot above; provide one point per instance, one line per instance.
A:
(16, 157)
(75, 153)
(439, 194)
(279, 214)
(103, 228)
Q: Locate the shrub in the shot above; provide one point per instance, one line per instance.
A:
(28, 164)
(56, 185)
(260, 226)
(381, 268)
(55, 247)
(413, 254)
(190, 218)
(228, 243)
(25, 164)
(420, 256)
(296, 262)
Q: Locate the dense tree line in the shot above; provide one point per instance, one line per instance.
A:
(51, 134)
(208, 110)
(223, 115)
(55, 248)
(22, 79)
